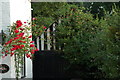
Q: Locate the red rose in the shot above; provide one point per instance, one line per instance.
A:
(37, 49)
(2, 52)
(28, 55)
(13, 49)
(30, 36)
(31, 45)
(11, 54)
(44, 27)
(32, 52)
(17, 47)
(31, 41)
(5, 54)
(14, 45)
(22, 45)
(21, 34)
(24, 41)
(18, 35)
(8, 42)
(6, 51)
(16, 38)
(18, 23)
(25, 22)
(23, 37)
(16, 31)
(11, 39)
(21, 29)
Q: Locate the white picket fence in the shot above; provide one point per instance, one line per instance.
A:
(46, 41)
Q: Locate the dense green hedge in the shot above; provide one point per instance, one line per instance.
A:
(92, 46)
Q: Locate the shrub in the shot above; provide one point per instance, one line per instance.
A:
(88, 46)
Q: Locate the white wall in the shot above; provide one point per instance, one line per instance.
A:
(20, 10)
(10, 11)
(0, 16)
(4, 14)
(4, 22)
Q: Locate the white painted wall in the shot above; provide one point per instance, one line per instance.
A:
(4, 22)
(10, 11)
(0, 16)
(21, 10)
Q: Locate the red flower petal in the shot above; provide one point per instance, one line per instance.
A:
(6, 51)
(24, 41)
(18, 23)
(31, 45)
(5, 54)
(28, 55)
(16, 38)
(30, 36)
(13, 49)
(21, 29)
(31, 41)
(11, 54)
(23, 37)
(44, 27)
(32, 52)
(25, 22)
(21, 34)
(22, 45)
(37, 50)
(16, 31)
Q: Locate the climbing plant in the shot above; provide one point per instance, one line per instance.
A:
(19, 44)
(46, 14)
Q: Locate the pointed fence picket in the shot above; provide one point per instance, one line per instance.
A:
(46, 41)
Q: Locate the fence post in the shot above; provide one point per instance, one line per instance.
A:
(59, 22)
(38, 47)
(54, 47)
(42, 42)
(48, 39)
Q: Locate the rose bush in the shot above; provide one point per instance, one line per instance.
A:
(19, 44)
